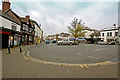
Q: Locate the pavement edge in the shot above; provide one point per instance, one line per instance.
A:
(28, 57)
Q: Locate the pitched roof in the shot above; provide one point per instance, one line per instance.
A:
(5, 15)
(14, 16)
(109, 29)
(95, 34)
(87, 28)
(35, 23)
(24, 19)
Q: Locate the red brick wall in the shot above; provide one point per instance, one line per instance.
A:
(5, 6)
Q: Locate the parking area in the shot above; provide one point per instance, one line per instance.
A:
(75, 54)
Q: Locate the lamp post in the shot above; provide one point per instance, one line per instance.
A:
(115, 31)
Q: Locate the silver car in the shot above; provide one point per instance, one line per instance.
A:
(65, 41)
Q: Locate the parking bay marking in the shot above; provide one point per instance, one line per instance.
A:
(92, 57)
(79, 53)
(99, 49)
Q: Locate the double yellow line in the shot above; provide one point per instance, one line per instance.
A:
(84, 66)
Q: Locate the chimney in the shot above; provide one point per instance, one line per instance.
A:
(5, 5)
(27, 17)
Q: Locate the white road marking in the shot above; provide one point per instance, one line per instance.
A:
(79, 53)
(99, 49)
(92, 57)
(68, 70)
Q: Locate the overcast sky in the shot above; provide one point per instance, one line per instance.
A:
(56, 16)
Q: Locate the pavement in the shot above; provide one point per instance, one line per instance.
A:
(14, 65)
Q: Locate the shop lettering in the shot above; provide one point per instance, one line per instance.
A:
(13, 27)
(3, 32)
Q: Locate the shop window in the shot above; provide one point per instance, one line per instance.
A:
(30, 38)
(16, 40)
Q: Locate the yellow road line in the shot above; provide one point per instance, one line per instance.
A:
(81, 66)
(25, 58)
(86, 66)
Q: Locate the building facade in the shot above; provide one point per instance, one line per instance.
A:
(38, 32)
(10, 31)
(15, 30)
(91, 35)
(109, 35)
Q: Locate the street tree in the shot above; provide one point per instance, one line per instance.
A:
(76, 28)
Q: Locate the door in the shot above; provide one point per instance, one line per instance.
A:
(5, 39)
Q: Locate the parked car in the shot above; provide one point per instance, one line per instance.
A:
(53, 41)
(102, 43)
(66, 42)
(112, 43)
(47, 42)
(117, 42)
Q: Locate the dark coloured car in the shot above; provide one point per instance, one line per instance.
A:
(112, 43)
(53, 41)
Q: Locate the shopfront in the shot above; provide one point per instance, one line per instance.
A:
(4, 38)
(31, 39)
(24, 39)
(14, 40)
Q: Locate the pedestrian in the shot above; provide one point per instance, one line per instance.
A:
(20, 47)
(9, 46)
(36, 42)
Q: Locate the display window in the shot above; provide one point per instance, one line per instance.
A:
(10, 40)
(16, 40)
(30, 38)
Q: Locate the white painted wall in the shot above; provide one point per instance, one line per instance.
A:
(105, 34)
(38, 31)
(8, 24)
(88, 33)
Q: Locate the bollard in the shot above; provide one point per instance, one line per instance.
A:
(8, 49)
(20, 49)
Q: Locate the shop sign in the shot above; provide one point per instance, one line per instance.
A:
(3, 32)
(14, 26)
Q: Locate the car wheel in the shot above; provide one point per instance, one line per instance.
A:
(60, 43)
(70, 43)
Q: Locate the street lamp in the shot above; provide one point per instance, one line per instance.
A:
(115, 31)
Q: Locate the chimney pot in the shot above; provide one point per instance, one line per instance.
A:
(27, 16)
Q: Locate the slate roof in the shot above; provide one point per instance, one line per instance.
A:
(7, 16)
(15, 15)
(24, 19)
(109, 29)
(95, 34)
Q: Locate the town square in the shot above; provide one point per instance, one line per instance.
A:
(59, 39)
